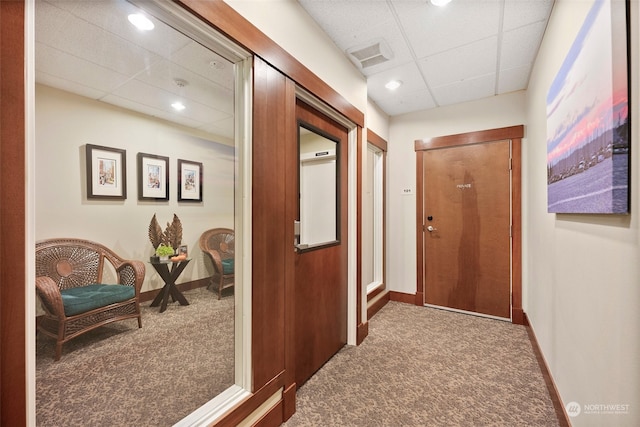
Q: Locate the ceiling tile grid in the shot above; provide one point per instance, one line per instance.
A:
(90, 48)
(465, 50)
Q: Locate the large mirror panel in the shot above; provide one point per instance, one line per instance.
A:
(173, 94)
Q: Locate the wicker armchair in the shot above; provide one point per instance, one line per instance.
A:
(219, 245)
(69, 284)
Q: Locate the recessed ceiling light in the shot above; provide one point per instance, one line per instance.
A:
(393, 84)
(141, 22)
(440, 2)
(178, 106)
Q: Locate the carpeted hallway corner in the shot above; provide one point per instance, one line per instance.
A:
(428, 367)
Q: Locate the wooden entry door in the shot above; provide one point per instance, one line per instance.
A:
(467, 228)
(321, 274)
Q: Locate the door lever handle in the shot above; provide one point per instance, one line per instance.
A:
(431, 228)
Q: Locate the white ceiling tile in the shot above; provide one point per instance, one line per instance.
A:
(205, 63)
(431, 29)
(513, 79)
(71, 86)
(155, 97)
(414, 101)
(163, 75)
(518, 13)
(467, 90)
(345, 22)
(111, 16)
(53, 62)
(466, 62)
(520, 47)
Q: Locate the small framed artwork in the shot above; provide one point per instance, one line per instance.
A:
(106, 172)
(189, 181)
(183, 250)
(153, 177)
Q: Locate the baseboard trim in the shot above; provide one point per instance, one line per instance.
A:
(517, 316)
(402, 297)
(377, 305)
(289, 402)
(361, 332)
(183, 287)
(561, 414)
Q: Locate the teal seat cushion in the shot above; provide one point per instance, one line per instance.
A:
(86, 298)
(227, 266)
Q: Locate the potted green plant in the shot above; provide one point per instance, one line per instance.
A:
(164, 252)
(164, 242)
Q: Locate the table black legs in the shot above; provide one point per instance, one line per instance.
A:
(169, 276)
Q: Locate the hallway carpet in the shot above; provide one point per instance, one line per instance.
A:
(119, 375)
(427, 367)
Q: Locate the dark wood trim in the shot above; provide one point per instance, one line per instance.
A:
(517, 313)
(13, 196)
(419, 298)
(563, 418)
(245, 408)
(513, 133)
(375, 139)
(239, 29)
(182, 287)
(510, 132)
(371, 295)
(358, 243)
(517, 316)
(376, 306)
(291, 203)
(361, 332)
(402, 297)
(271, 418)
(269, 222)
(289, 401)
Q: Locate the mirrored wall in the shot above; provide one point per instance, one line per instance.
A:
(153, 82)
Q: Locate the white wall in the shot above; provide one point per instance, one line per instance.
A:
(377, 120)
(66, 122)
(489, 113)
(290, 26)
(582, 272)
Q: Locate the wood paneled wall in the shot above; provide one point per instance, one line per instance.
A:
(13, 182)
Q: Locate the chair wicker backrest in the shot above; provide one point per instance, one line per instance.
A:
(221, 240)
(72, 263)
(219, 245)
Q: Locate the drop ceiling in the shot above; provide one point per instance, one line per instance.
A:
(468, 50)
(464, 51)
(89, 48)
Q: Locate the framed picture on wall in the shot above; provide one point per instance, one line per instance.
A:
(153, 177)
(588, 132)
(106, 172)
(189, 181)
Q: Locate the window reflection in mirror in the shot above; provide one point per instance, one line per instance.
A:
(318, 175)
(102, 81)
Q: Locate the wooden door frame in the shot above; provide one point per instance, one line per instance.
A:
(13, 193)
(372, 308)
(513, 133)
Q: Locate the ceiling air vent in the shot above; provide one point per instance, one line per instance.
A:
(372, 54)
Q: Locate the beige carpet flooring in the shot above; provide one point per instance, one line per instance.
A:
(428, 367)
(417, 367)
(119, 375)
